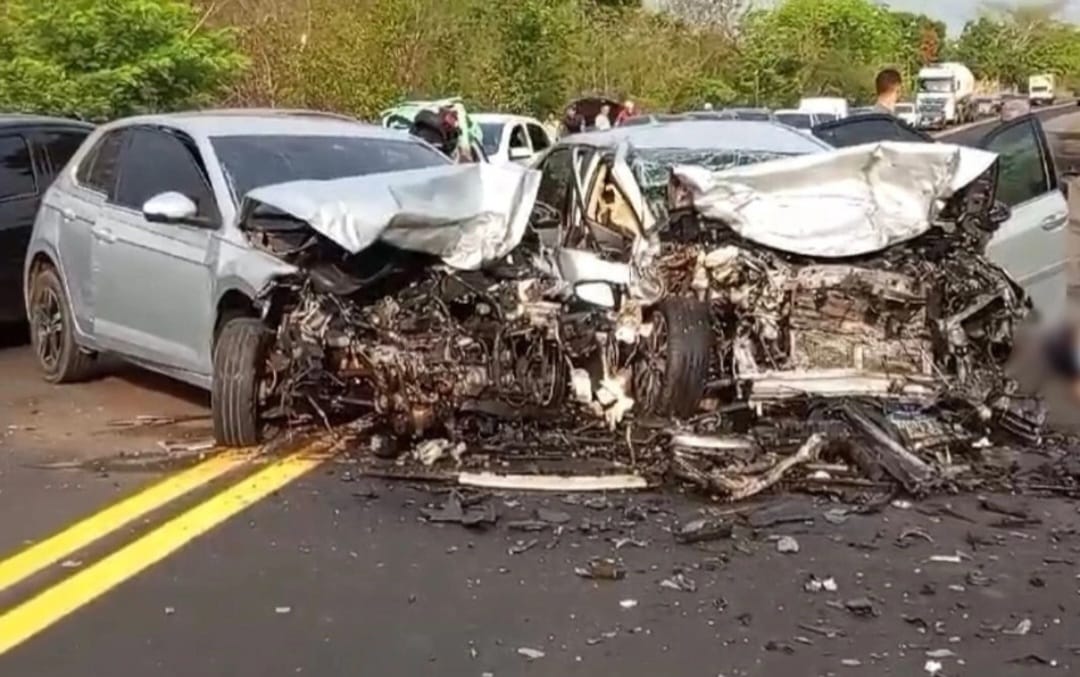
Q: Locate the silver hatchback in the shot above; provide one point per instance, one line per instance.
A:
(136, 249)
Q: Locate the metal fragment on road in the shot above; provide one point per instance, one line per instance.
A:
(531, 654)
(680, 583)
(815, 584)
(602, 569)
(559, 483)
(522, 546)
(787, 545)
(283, 610)
(940, 653)
(552, 516)
(862, 607)
(628, 603)
(933, 667)
(1022, 628)
(701, 530)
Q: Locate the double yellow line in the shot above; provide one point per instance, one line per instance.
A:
(31, 617)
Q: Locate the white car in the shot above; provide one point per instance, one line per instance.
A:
(512, 138)
(905, 110)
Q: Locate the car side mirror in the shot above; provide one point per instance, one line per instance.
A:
(173, 207)
(519, 153)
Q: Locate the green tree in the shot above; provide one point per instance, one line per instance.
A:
(806, 47)
(105, 58)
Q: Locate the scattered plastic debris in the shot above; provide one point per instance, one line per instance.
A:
(787, 545)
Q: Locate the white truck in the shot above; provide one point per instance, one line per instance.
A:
(946, 95)
(1042, 89)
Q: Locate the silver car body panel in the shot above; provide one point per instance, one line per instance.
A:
(849, 202)
(467, 215)
(150, 291)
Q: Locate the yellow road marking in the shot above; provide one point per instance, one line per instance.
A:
(81, 534)
(33, 616)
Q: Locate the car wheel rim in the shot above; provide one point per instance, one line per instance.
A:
(649, 377)
(48, 328)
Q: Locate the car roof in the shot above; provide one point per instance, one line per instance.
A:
(268, 122)
(753, 135)
(501, 118)
(11, 119)
(793, 111)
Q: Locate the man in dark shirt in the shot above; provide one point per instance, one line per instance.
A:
(889, 85)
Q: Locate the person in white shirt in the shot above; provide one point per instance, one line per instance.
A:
(603, 121)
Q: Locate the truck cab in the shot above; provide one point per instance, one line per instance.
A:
(945, 95)
(1042, 89)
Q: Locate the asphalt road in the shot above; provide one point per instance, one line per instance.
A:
(265, 567)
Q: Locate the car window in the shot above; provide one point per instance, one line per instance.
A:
(491, 136)
(555, 183)
(518, 138)
(1023, 174)
(60, 146)
(156, 162)
(853, 131)
(538, 137)
(16, 168)
(98, 168)
(262, 160)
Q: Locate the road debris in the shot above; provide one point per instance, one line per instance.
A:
(814, 584)
(628, 603)
(787, 545)
(459, 510)
(1021, 629)
(602, 569)
(861, 607)
(702, 530)
(680, 583)
(531, 654)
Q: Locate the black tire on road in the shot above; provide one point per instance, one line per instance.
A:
(52, 332)
(239, 360)
(685, 341)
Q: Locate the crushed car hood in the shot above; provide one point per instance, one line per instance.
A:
(467, 215)
(849, 202)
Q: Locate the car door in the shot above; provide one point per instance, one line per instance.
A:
(153, 291)
(1032, 244)
(552, 207)
(20, 186)
(538, 137)
(518, 148)
(76, 208)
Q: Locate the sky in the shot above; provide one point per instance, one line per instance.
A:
(956, 12)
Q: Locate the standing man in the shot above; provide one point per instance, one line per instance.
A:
(603, 120)
(889, 86)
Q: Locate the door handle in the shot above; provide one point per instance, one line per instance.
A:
(1054, 221)
(105, 235)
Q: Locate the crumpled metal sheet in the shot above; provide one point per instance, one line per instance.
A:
(845, 203)
(467, 215)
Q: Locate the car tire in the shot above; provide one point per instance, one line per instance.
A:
(239, 360)
(52, 332)
(671, 381)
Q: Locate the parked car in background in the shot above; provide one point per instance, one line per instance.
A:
(905, 110)
(825, 104)
(511, 138)
(137, 249)
(32, 151)
(652, 119)
(801, 119)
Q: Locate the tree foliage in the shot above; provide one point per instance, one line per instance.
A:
(104, 58)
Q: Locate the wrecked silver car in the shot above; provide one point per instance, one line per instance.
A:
(146, 247)
(762, 291)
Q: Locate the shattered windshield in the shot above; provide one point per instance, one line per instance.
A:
(651, 167)
(253, 161)
(492, 136)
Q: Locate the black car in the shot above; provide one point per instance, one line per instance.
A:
(32, 150)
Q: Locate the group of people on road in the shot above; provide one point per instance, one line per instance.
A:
(575, 122)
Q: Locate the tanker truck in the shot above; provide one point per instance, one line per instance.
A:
(946, 95)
